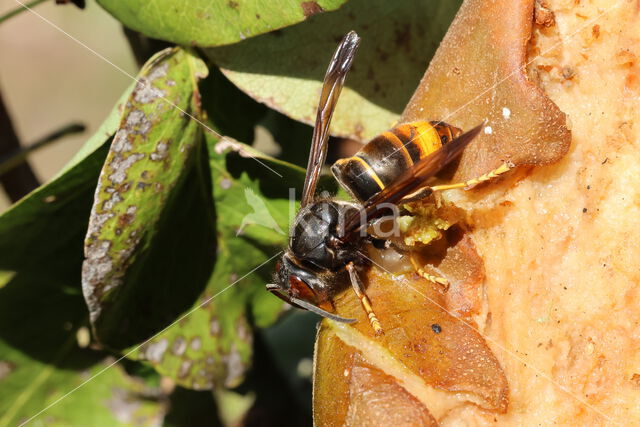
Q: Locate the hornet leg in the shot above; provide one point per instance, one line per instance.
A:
(417, 195)
(475, 181)
(439, 280)
(364, 299)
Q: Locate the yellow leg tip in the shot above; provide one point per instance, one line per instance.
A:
(377, 328)
(441, 280)
(468, 185)
(435, 279)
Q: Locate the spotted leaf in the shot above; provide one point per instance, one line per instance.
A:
(213, 22)
(211, 344)
(147, 228)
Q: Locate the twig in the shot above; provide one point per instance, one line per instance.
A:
(11, 160)
(19, 10)
(21, 180)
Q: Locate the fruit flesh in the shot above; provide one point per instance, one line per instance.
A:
(560, 245)
(557, 236)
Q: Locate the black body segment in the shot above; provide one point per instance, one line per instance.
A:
(315, 236)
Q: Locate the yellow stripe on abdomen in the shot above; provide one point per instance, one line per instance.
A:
(370, 171)
(426, 137)
(393, 139)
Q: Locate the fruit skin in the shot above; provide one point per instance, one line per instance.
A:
(557, 238)
(427, 362)
(559, 241)
(477, 74)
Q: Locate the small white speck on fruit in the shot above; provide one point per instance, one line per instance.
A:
(488, 130)
(346, 373)
(506, 113)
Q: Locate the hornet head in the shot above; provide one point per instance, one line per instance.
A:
(301, 287)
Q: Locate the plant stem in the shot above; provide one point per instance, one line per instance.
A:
(20, 9)
(21, 180)
(11, 160)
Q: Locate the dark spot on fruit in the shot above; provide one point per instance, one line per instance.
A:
(382, 54)
(436, 328)
(568, 73)
(370, 73)
(233, 5)
(310, 8)
(403, 37)
(542, 15)
(635, 379)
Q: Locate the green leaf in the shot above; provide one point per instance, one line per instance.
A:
(49, 223)
(189, 407)
(6, 276)
(166, 267)
(44, 354)
(293, 137)
(230, 111)
(255, 205)
(211, 344)
(52, 219)
(255, 194)
(42, 308)
(150, 228)
(212, 22)
(112, 398)
(285, 69)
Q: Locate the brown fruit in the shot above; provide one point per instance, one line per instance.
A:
(559, 307)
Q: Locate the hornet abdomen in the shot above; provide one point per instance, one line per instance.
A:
(387, 156)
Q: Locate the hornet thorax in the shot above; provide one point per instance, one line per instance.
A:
(318, 232)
